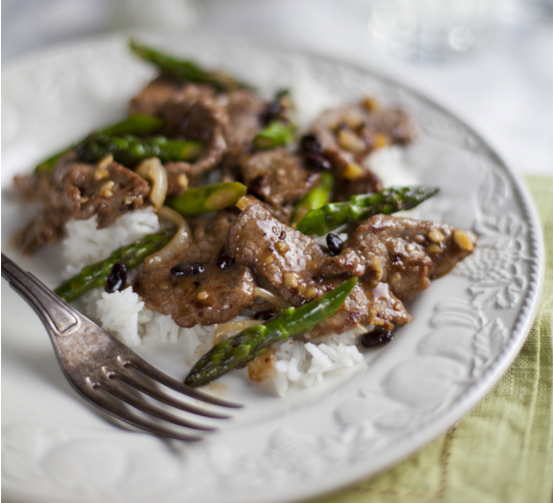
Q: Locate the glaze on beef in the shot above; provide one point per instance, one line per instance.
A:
(106, 190)
(277, 176)
(188, 112)
(194, 114)
(81, 191)
(156, 93)
(244, 110)
(32, 187)
(213, 296)
(291, 262)
(45, 229)
(402, 252)
(349, 134)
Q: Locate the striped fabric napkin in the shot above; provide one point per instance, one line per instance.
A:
(502, 452)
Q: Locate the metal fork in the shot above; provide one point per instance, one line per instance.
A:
(105, 371)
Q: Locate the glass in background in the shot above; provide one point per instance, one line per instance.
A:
(535, 11)
(433, 30)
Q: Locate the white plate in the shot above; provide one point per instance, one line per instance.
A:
(468, 326)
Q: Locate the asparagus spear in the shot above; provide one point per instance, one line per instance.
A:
(208, 198)
(130, 150)
(138, 124)
(276, 134)
(253, 341)
(362, 206)
(96, 275)
(184, 70)
(314, 199)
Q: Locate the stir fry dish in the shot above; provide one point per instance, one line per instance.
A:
(266, 230)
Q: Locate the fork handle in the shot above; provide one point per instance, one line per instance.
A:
(58, 317)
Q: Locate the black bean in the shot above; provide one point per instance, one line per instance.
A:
(224, 259)
(378, 337)
(271, 112)
(317, 162)
(334, 244)
(310, 144)
(265, 315)
(187, 269)
(117, 278)
(275, 108)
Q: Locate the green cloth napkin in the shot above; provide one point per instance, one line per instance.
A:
(502, 452)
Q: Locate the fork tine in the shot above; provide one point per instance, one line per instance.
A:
(121, 412)
(150, 390)
(147, 369)
(123, 395)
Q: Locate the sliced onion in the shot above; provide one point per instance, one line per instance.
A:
(176, 246)
(360, 329)
(270, 297)
(232, 326)
(153, 171)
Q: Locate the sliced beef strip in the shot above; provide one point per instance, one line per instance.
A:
(245, 110)
(391, 122)
(191, 112)
(212, 296)
(32, 186)
(402, 252)
(232, 172)
(81, 191)
(368, 182)
(291, 263)
(349, 134)
(365, 124)
(194, 114)
(222, 122)
(288, 259)
(45, 229)
(277, 176)
(156, 93)
(106, 190)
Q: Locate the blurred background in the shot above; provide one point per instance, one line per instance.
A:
(489, 61)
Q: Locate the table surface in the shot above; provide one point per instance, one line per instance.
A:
(505, 91)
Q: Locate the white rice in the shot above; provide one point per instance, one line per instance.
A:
(85, 244)
(117, 313)
(304, 364)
